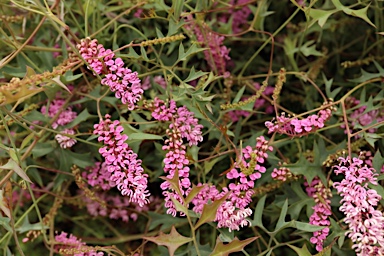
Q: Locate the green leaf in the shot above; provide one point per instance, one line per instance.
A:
(238, 95)
(194, 191)
(179, 207)
(301, 251)
(82, 117)
(192, 50)
(378, 161)
(328, 83)
(309, 49)
(144, 53)
(283, 213)
(69, 158)
(208, 165)
(27, 226)
(144, 136)
(365, 76)
(177, 7)
(4, 222)
(172, 240)
(164, 220)
(12, 165)
(361, 13)
(235, 246)
(193, 75)
(209, 211)
(42, 149)
(319, 16)
(257, 219)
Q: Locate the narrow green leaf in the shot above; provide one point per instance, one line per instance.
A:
(194, 191)
(179, 207)
(144, 136)
(257, 219)
(239, 95)
(82, 117)
(283, 213)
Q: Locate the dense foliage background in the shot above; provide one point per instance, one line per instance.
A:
(191, 127)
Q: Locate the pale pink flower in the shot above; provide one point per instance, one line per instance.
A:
(65, 141)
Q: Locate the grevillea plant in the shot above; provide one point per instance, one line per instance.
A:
(234, 127)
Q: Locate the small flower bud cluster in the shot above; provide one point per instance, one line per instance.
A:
(183, 125)
(121, 80)
(322, 211)
(98, 176)
(282, 173)
(366, 224)
(65, 117)
(294, 127)
(234, 210)
(122, 163)
(73, 246)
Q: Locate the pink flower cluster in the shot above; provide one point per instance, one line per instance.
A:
(292, 126)
(238, 14)
(366, 224)
(322, 211)
(281, 173)
(117, 207)
(75, 245)
(98, 176)
(360, 118)
(122, 163)
(217, 54)
(157, 79)
(65, 117)
(121, 80)
(183, 125)
(233, 212)
(259, 104)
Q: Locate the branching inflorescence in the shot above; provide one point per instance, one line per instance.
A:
(366, 224)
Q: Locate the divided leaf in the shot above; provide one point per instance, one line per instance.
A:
(209, 211)
(172, 240)
(236, 245)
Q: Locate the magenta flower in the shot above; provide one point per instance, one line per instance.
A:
(217, 54)
(295, 127)
(122, 163)
(183, 125)
(322, 211)
(366, 224)
(233, 212)
(121, 80)
(65, 117)
(65, 141)
(74, 245)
